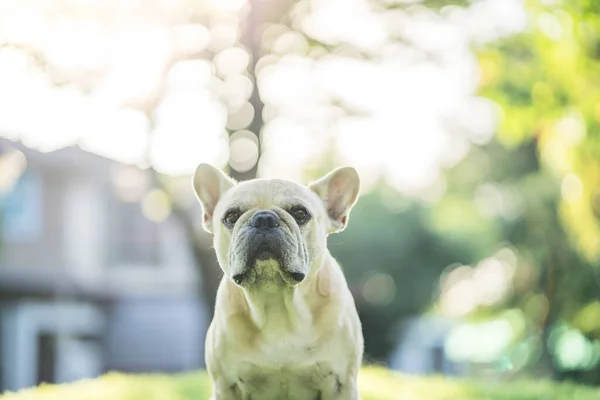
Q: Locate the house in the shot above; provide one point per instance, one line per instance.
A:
(95, 273)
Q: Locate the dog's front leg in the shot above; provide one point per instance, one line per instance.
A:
(339, 389)
(347, 391)
(347, 394)
(224, 391)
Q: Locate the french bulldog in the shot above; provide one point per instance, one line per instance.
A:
(285, 324)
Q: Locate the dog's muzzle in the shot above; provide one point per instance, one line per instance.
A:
(266, 242)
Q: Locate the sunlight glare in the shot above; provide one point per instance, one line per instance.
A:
(190, 74)
(26, 26)
(286, 148)
(57, 124)
(489, 20)
(190, 38)
(142, 51)
(402, 117)
(77, 43)
(226, 6)
(223, 35)
(287, 81)
(329, 20)
(191, 129)
(119, 134)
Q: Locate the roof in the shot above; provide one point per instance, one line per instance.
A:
(71, 158)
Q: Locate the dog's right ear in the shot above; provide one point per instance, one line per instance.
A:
(209, 184)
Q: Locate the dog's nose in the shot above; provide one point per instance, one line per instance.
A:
(265, 219)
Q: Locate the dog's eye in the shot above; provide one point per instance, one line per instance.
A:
(231, 218)
(300, 214)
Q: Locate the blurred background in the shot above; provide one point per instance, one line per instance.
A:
(475, 126)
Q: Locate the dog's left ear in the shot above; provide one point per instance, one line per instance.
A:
(209, 184)
(338, 190)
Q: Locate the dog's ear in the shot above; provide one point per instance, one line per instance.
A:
(338, 190)
(209, 184)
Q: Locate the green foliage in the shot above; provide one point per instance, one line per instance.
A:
(395, 237)
(374, 383)
(546, 81)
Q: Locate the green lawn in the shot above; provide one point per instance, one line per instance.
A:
(375, 384)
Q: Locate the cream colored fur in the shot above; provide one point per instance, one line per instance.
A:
(273, 338)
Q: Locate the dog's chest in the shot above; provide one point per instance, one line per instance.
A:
(280, 346)
(291, 383)
(292, 366)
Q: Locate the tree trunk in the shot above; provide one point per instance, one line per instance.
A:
(251, 40)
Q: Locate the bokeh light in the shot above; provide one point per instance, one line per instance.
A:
(243, 151)
(572, 188)
(481, 342)
(130, 183)
(156, 205)
(465, 288)
(379, 289)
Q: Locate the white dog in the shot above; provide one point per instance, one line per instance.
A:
(285, 324)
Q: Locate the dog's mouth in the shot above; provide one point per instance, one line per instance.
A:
(265, 252)
(240, 278)
(249, 277)
(265, 261)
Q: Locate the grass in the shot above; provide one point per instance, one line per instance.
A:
(374, 383)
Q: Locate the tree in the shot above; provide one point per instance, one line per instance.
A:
(544, 81)
(546, 161)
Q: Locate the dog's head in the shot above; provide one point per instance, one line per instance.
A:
(272, 232)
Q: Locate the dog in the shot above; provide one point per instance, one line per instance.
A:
(285, 324)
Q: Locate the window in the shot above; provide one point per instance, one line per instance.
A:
(21, 209)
